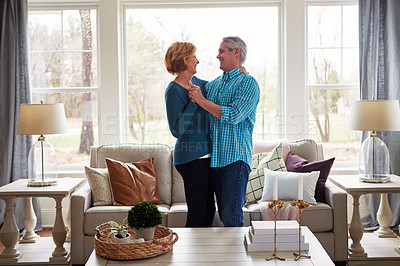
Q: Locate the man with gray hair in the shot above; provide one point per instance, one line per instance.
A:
(232, 102)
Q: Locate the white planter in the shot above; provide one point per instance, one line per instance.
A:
(118, 240)
(145, 233)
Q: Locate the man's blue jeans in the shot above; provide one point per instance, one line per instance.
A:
(229, 184)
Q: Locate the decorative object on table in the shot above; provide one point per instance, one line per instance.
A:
(374, 164)
(261, 234)
(42, 119)
(119, 232)
(163, 241)
(143, 217)
(301, 206)
(275, 206)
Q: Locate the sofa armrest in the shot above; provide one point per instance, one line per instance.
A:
(81, 200)
(337, 199)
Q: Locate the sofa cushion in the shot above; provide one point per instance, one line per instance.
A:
(99, 183)
(134, 182)
(97, 215)
(136, 152)
(306, 148)
(178, 189)
(296, 163)
(262, 146)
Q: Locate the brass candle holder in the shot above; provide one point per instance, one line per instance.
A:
(300, 206)
(275, 206)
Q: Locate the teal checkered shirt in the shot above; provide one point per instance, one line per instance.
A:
(231, 137)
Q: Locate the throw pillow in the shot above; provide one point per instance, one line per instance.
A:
(288, 185)
(296, 163)
(99, 183)
(132, 183)
(272, 161)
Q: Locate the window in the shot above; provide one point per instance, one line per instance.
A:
(63, 68)
(303, 53)
(333, 77)
(150, 31)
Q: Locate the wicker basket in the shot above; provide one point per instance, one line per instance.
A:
(163, 241)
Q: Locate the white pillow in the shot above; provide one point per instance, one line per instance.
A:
(288, 185)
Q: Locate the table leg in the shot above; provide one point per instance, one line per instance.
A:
(68, 222)
(29, 221)
(385, 217)
(356, 229)
(9, 234)
(59, 234)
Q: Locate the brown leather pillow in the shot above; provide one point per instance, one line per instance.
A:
(132, 183)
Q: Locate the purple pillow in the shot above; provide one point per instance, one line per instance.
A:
(295, 163)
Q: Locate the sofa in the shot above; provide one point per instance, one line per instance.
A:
(328, 221)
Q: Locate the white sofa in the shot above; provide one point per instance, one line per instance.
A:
(327, 221)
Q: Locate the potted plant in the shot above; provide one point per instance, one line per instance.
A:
(143, 217)
(119, 232)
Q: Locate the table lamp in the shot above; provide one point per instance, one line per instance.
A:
(41, 119)
(374, 164)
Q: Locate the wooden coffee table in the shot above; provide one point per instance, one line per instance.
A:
(220, 246)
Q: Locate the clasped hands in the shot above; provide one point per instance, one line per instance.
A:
(195, 94)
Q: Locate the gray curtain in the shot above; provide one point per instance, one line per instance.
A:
(380, 78)
(14, 89)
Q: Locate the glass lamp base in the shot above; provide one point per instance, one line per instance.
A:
(32, 183)
(374, 180)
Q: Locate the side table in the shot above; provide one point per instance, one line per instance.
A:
(356, 188)
(9, 233)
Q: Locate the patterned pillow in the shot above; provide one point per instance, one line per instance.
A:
(272, 161)
(99, 183)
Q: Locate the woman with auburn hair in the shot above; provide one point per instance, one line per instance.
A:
(188, 123)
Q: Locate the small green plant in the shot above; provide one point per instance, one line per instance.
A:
(118, 229)
(144, 215)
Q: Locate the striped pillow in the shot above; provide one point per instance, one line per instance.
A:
(273, 161)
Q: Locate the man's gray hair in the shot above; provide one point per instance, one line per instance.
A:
(235, 42)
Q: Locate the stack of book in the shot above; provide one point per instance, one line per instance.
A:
(261, 236)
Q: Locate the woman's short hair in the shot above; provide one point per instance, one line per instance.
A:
(176, 55)
(235, 42)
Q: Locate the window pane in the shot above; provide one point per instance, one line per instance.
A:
(150, 32)
(45, 69)
(76, 21)
(350, 31)
(329, 118)
(45, 30)
(351, 73)
(324, 66)
(324, 26)
(81, 114)
(76, 66)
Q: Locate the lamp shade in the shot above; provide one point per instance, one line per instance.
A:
(42, 119)
(375, 115)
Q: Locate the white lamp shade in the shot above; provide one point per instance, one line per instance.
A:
(375, 115)
(42, 119)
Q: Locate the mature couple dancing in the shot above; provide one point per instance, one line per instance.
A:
(213, 123)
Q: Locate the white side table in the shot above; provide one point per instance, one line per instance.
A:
(9, 233)
(356, 188)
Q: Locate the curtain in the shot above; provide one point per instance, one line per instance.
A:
(14, 88)
(380, 78)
